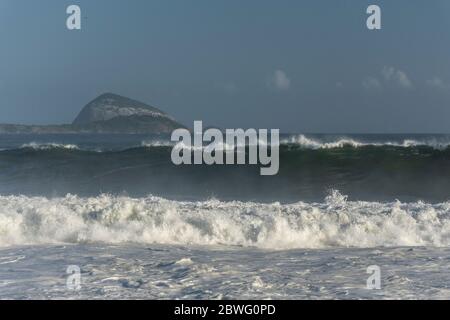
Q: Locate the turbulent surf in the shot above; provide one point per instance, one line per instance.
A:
(141, 227)
(366, 168)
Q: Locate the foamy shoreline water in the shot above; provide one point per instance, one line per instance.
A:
(130, 271)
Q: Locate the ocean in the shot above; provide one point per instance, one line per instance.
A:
(140, 227)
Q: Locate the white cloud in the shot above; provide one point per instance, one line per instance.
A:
(387, 73)
(279, 81)
(390, 77)
(370, 83)
(397, 77)
(438, 83)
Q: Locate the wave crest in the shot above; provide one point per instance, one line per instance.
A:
(311, 143)
(49, 146)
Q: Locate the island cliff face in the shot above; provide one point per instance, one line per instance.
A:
(108, 113)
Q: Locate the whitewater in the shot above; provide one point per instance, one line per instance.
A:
(119, 219)
(155, 248)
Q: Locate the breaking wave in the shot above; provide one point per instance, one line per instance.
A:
(312, 143)
(302, 141)
(305, 142)
(157, 143)
(49, 146)
(336, 222)
(215, 145)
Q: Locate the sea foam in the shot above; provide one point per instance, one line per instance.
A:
(336, 222)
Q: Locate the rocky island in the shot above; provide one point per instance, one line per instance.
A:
(108, 113)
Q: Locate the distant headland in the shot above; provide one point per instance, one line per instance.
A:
(108, 113)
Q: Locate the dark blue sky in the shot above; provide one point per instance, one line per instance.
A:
(301, 66)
